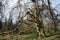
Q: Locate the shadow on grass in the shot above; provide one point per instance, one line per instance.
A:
(52, 35)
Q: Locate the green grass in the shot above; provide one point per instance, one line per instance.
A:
(31, 36)
(53, 36)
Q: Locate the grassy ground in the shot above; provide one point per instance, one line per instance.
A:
(31, 36)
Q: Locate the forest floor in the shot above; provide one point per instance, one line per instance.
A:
(31, 36)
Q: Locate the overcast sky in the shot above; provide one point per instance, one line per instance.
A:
(11, 3)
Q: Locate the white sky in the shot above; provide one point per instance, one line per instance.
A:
(11, 3)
